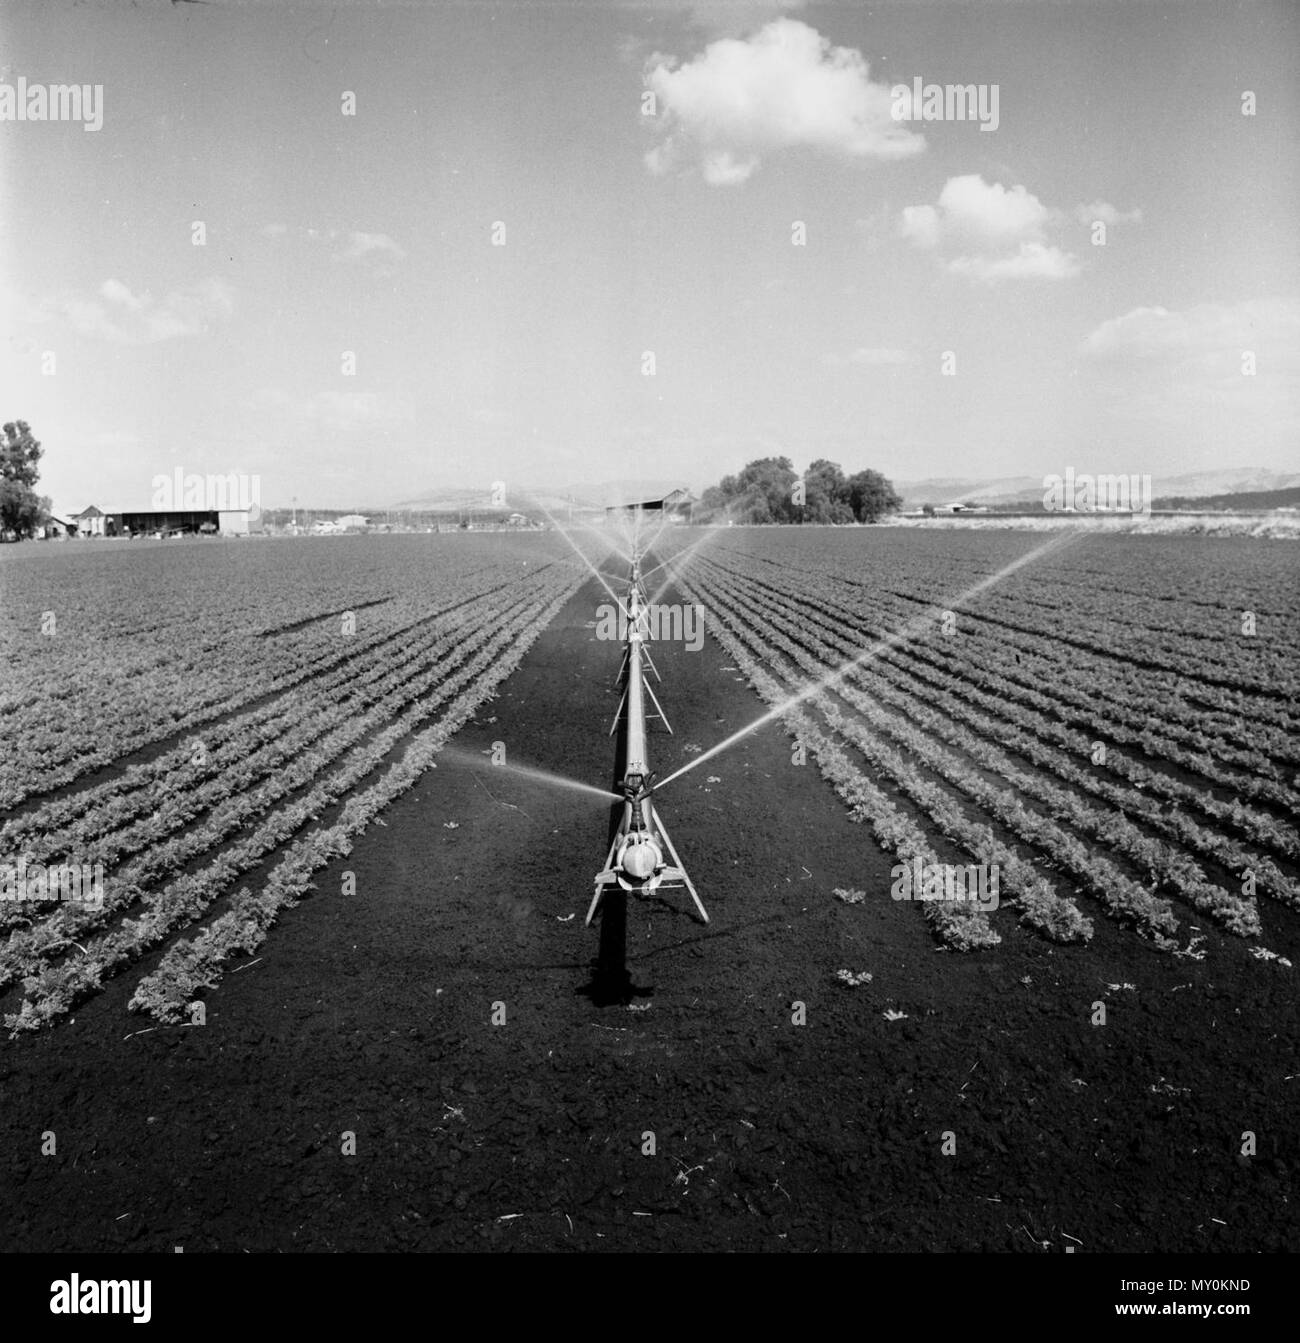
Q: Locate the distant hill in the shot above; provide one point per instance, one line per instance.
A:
(963, 490)
(1246, 499)
(1191, 488)
(452, 501)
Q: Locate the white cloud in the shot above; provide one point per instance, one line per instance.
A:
(990, 232)
(1182, 374)
(784, 87)
(1032, 259)
(973, 211)
(1208, 332)
(125, 318)
(724, 170)
(1106, 213)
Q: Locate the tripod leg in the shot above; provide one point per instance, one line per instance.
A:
(603, 878)
(677, 862)
(595, 900)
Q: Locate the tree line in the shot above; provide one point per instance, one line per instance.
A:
(771, 490)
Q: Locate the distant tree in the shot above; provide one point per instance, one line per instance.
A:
(764, 492)
(20, 453)
(828, 476)
(765, 488)
(22, 510)
(826, 494)
(871, 496)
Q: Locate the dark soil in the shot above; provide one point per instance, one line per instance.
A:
(373, 1013)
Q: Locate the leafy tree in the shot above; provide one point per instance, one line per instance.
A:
(871, 496)
(19, 454)
(765, 487)
(828, 476)
(713, 500)
(825, 494)
(22, 510)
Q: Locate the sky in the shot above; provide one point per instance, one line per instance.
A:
(445, 245)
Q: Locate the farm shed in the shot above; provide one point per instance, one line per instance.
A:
(227, 521)
(676, 503)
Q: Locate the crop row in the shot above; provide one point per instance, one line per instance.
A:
(210, 771)
(1251, 663)
(1169, 868)
(168, 855)
(1007, 724)
(1046, 597)
(1041, 907)
(27, 950)
(199, 963)
(1146, 691)
(982, 664)
(1224, 696)
(1004, 646)
(52, 991)
(155, 694)
(958, 924)
(1123, 898)
(257, 714)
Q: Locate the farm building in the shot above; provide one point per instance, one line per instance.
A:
(676, 504)
(93, 521)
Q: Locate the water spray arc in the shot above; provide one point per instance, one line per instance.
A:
(639, 858)
(642, 857)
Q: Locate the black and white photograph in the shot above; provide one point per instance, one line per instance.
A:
(650, 627)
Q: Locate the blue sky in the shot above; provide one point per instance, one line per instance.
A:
(627, 233)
